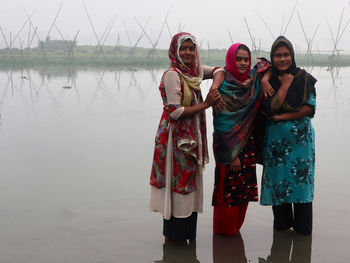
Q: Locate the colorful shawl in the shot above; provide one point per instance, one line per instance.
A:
(300, 89)
(233, 126)
(186, 154)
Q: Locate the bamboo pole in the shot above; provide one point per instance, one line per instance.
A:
(290, 18)
(229, 34)
(93, 28)
(266, 25)
(250, 34)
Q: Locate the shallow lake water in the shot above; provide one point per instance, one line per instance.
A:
(75, 154)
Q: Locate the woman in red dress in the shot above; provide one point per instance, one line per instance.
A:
(181, 143)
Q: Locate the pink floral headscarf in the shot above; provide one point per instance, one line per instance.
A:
(195, 73)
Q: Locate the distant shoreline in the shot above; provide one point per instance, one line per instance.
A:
(55, 52)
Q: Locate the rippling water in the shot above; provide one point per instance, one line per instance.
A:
(75, 151)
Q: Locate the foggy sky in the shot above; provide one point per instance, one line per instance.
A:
(209, 21)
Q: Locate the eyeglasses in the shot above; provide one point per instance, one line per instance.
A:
(239, 59)
(280, 55)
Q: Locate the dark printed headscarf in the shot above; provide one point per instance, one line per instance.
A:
(283, 41)
(299, 91)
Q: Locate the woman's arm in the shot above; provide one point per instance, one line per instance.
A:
(210, 72)
(172, 85)
(218, 76)
(272, 105)
(212, 97)
(304, 111)
(235, 165)
(266, 88)
(218, 79)
(286, 80)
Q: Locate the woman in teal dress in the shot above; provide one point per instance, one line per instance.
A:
(289, 150)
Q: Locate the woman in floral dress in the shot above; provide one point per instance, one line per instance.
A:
(181, 143)
(289, 151)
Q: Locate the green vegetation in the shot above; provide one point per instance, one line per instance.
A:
(58, 52)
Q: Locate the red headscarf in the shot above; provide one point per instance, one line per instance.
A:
(231, 65)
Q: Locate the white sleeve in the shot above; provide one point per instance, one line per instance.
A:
(209, 72)
(172, 86)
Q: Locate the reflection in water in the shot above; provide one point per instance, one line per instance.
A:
(334, 72)
(57, 87)
(228, 249)
(179, 252)
(78, 139)
(51, 72)
(288, 246)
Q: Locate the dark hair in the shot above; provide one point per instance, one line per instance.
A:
(282, 44)
(244, 47)
(187, 39)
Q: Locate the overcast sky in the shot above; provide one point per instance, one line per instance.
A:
(210, 21)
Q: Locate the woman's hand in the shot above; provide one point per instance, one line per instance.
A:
(266, 87)
(218, 79)
(220, 103)
(219, 106)
(235, 165)
(286, 80)
(212, 97)
(305, 110)
(277, 117)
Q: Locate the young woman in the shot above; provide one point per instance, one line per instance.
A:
(289, 151)
(181, 144)
(234, 146)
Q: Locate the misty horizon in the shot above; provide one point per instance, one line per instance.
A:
(118, 23)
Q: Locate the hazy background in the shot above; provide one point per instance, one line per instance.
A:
(77, 143)
(210, 21)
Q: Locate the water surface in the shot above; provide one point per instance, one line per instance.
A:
(75, 151)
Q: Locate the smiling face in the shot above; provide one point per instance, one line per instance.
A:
(282, 59)
(187, 52)
(242, 61)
